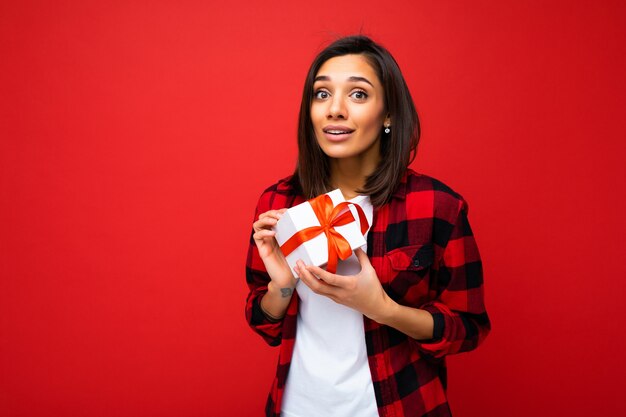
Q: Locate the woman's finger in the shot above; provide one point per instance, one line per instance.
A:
(364, 260)
(316, 285)
(263, 233)
(329, 278)
(277, 214)
(264, 223)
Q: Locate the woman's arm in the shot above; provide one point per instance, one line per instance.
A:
(460, 319)
(454, 322)
(275, 301)
(258, 279)
(364, 293)
(268, 275)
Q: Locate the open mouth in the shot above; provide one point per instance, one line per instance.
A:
(338, 132)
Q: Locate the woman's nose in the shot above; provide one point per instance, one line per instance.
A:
(337, 108)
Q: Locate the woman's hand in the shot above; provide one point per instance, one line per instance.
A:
(362, 291)
(269, 251)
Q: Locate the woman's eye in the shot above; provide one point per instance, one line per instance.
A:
(321, 95)
(359, 95)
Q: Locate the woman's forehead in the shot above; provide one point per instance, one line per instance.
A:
(347, 68)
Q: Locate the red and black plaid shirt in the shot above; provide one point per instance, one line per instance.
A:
(424, 253)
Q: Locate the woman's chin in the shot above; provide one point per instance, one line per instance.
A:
(338, 154)
(346, 151)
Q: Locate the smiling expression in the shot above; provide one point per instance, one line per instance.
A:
(348, 110)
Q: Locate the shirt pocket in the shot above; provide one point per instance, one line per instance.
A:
(409, 268)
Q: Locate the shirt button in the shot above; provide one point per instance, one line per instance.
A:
(416, 262)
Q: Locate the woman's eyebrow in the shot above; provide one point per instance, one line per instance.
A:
(352, 78)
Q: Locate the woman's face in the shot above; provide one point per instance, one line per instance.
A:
(348, 109)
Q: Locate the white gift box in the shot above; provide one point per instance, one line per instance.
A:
(315, 251)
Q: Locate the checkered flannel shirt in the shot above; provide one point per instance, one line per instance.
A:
(424, 253)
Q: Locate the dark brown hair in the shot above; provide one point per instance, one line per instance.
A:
(398, 148)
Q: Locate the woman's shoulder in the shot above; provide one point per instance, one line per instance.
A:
(418, 181)
(279, 195)
(287, 186)
(419, 186)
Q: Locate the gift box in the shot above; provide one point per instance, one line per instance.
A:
(321, 231)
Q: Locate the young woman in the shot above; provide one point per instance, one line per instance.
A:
(371, 339)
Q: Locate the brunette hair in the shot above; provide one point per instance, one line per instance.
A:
(398, 148)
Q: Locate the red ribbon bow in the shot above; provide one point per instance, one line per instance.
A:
(329, 217)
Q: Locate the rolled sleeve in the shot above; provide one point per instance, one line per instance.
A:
(460, 319)
(257, 280)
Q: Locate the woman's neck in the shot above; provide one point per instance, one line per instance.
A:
(349, 174)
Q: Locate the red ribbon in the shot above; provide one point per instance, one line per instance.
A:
(329, 217)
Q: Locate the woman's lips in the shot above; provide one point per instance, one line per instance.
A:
(337, 133)
(333, 137)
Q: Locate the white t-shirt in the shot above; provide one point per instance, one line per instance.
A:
(329, 373)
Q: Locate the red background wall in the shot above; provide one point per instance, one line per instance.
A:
(136, 138)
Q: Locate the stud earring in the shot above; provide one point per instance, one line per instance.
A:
(387, 129)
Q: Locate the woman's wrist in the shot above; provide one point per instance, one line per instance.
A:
(414, 322)
(279, 291)
(385, 312)
(270, 317)
(275, 301)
